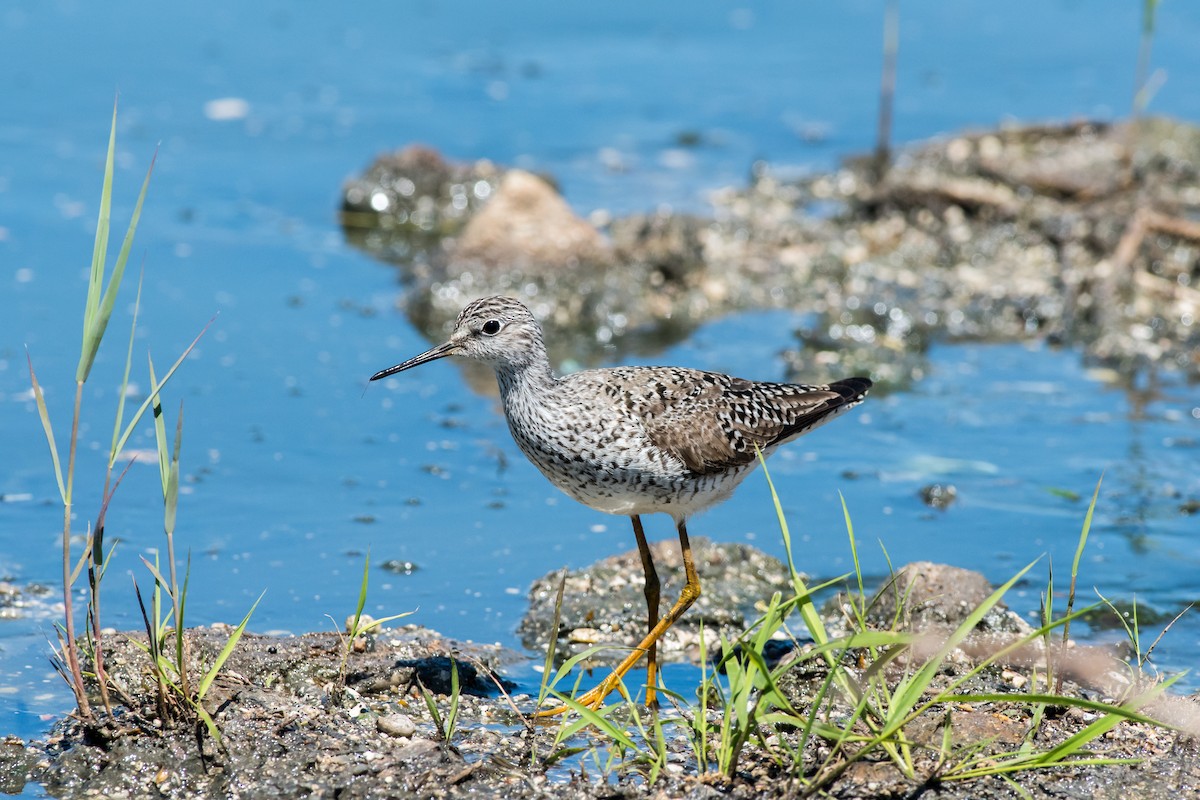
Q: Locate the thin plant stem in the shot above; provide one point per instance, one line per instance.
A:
(70, 648)
(175, 593)
(887, 87)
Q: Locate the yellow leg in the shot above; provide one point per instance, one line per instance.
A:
(652, 596)
(691, 590)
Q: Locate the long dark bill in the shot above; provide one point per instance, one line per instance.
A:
(441, 351)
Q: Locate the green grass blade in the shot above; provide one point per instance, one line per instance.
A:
(552, 645)
(362, 594)
(1001, 768)
(1128, 711)
(200, 710)
(600, 720)
(1087, 526)
(452, 715)
(156, 601)
(1083, 534)
(157, 387)
(700, 719)
(378, 623)
(570, 663)
(151, 629)
(783, 526)
(226, 651)
(171, 495)
(206, 718)
(123, 393)
(862, 595)
(99, 256)
(1115, 715)
(44, 414)
(158, 576)
(808, 612)
(160, 429)
(94, 332)
(179, 623)
(431, 706)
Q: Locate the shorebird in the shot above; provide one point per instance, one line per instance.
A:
(635, 440)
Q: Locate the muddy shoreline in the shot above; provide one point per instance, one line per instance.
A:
(290, 728)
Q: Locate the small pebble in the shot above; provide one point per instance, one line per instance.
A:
(1016, 679)
(397, 725)
(584, 636)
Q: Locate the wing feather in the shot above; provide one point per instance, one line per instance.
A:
(712, 422)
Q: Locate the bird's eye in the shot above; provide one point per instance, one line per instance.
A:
(491, 327)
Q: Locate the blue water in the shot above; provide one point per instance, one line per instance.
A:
(294, 468)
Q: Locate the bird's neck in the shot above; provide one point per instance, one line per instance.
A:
(533, 377)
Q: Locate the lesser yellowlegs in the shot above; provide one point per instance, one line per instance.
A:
(635, 440)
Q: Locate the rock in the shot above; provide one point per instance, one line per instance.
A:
(605, 603)
(418, 749)
(527, 224)
(416, 188)
(436, 673)
(16, 761)
(583, 636)
(928, 595)
(407, 202)
(939, 495)
(398, 725)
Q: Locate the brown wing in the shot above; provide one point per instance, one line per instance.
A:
(712, 422)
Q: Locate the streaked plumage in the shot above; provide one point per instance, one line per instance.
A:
(635, 440)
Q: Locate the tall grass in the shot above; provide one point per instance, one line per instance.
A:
(98, 308)
(164, 627)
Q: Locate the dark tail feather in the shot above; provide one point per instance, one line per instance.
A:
(852, 390)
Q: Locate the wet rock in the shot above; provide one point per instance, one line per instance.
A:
(881, 339)
(1125, 611)
(939, 495)
(16, 762)
(436, 673)
(399, 566)
(10, 594)
(408, 201)
(605, 602)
